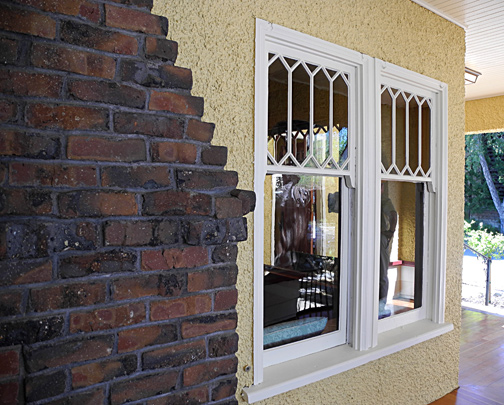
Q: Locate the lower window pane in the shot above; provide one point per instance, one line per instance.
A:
(301, 257)
(401, 247)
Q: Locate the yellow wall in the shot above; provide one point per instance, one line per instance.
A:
(217, 39)
(484, 115)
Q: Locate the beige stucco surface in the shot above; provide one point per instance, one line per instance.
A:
(484, 115)
(217, 39)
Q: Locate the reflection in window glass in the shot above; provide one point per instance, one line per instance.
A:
(401, 247)
(301, 257)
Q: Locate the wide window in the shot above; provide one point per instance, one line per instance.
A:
(349, 229)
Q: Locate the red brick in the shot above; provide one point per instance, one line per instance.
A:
(71, 60)
(207, 180)
(178, 308)
(215, 155)
(96, 203)
(224, 389)
(194, 256)
(176, 77)
(194, 396)
(30, 84)
(200, 131)
(66, 117)
(32, 146)
(212, 278)
(161, 48)
(69, 352)
(173, 152)
(163, 285)
(9, 393)
(138, 338)
(89, 397)
(174, 356)
(176, 103)
(67, 296)
(27, 22)
(25, 202)
(222, 345)
(8, 111)
(78, 8)
(54, 175)
(225, 300)
(141, 233)
(107, 92)
(9, 363)
(228, 207)
(8, 50)
(208, 371)
(148, 177)
(208, 324)
(97, 263)
(25, 272)
(148, 124)
(107, 318)
(176, 203)
(248, 199)
(10, 304)
(133, 20)
(103, 149)
(143, 387)
(94, 373)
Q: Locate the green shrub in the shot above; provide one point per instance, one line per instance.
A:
(490, 244)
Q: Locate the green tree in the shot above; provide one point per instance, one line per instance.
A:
(484, 180)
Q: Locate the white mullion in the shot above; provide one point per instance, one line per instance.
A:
(394, 129)
(419, 136)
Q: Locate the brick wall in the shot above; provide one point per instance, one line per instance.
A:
(119, 225)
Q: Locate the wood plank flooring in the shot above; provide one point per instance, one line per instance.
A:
(481, 373)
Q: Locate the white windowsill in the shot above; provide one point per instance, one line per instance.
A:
(296, 373)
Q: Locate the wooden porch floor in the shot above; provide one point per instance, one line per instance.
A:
(481, 373)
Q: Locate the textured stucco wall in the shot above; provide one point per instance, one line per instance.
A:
(216, 40)
(484, 115)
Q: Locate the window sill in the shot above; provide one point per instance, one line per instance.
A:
(296, 373)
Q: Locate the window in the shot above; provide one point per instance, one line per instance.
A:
(349, 231)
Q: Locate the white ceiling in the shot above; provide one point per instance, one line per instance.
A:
(483, 21)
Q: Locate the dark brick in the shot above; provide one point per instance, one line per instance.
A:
(141, 233)
(8, 111)
(103, 149)
(10, 304)
(213, 278)
(8, 50)
(133, 20)
(27, 22)
(224, 389)
(66, 117)
(10, 392)
(107, 92)
(207, 180)
(77, 8)
(138, 338)
(176, 77)
(248, 199)
(207, 232)
(96, 204)
(97, 38)
(215, 155)
(176, 203)
(163, 285)
(140, 72)
(29, 331)
(13, 143)
(207, 324)
(25, 272)
(50, 56)
(148, 124)
(30, 84)
(9, 362)
(181, 307)
(26, 240)
(97, 263)
(45, 386)
(173, 152)
(200, 131)
(147, 4)
(191, 397)
(225, 300)
(225, 254)
(174, 356)
(67, 296)
(161, 48)
(25, 202)
(228, 207)
(74, 351)
(148, 177)
(94, 373)
(208, 371)
(237, 230)
(90, 397)
(176, 103)
(143, 387)
(54, 175)
(107, 318)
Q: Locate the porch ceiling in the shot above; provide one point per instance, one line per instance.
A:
(483, 21)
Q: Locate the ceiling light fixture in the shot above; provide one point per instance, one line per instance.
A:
(471, 76)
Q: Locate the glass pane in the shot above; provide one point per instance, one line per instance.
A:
(413, 131)
(321, 117)
(401, 247)
(426, 136)
(386, 129)
(277, 109)
(301, 257)
(300, 112)
(340, 121)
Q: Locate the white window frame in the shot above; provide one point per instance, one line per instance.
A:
(368, 339)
